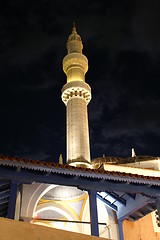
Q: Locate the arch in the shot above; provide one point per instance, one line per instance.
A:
(31, 196)
(60, 208)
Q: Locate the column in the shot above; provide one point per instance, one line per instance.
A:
(12, 199)
(93, 212)
(120, 225)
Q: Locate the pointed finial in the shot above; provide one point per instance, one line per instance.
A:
(60, 159)
(74, 27)
(74, 37)
(133, 153)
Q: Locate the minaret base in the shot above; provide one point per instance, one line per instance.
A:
(81, 164)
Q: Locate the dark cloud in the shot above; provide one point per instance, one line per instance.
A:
(142, 117)
(105, 95)
(131, 129)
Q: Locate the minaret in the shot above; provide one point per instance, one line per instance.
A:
(76, 94)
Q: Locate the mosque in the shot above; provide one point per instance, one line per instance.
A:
(107, 197)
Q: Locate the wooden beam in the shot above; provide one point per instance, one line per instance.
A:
(120, 226)
(139, 213)
(4, 195)
(150, 208)
(5, 191)
(3, 184)
(5, 206)
(132, 206)
(117, 198)
(12, 200)
(4, 201)
(110, 205)
(133, 196)
(29, 176)
(131, 218)
(93, 212)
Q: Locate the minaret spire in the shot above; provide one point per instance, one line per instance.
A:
(76, 94)
(74, 28)
(74, 43)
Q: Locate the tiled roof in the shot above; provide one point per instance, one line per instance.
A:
(77, 171)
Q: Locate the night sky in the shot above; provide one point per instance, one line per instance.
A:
(121, 40)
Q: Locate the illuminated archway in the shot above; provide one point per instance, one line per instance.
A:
(31, 196)
(62, 211)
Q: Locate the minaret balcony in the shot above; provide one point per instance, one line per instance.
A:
(76, 89)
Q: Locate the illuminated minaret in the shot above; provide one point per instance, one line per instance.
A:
(76, 94)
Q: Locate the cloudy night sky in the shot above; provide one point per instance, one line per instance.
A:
(121, 40)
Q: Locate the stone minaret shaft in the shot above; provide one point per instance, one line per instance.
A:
(76, 94)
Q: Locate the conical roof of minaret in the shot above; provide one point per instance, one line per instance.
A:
(74, 35)
(74, 43)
